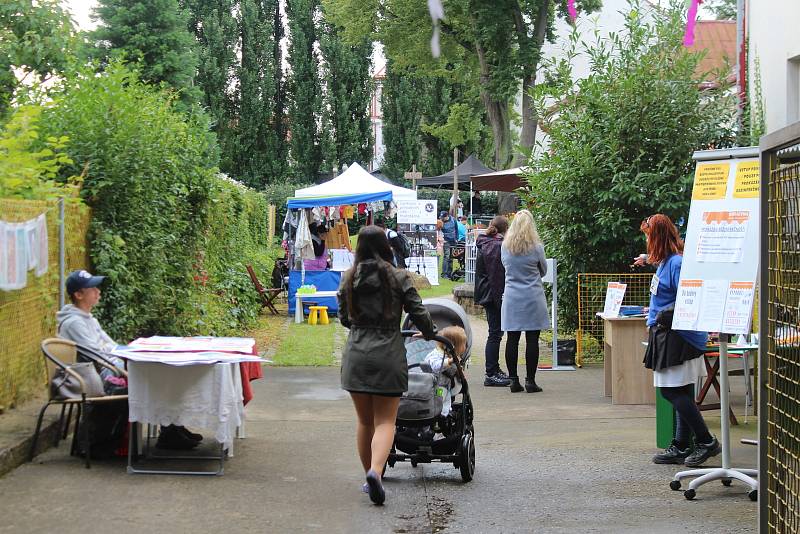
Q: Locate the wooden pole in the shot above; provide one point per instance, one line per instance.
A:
(414, 180)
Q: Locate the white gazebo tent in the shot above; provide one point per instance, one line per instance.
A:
(353, 186)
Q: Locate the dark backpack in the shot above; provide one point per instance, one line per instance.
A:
(401, 245)
(450, 230)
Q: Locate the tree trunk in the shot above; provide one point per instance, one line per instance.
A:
(496, 112)
(529, 116)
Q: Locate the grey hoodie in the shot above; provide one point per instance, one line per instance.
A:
(82, 328)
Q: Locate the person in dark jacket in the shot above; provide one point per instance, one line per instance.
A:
(490, 279)
(372, 297)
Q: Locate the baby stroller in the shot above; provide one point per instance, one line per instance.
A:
(422, 433)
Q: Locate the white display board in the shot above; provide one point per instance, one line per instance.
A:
(720, 259)
(341, 259)
(615, 294)
(416, 211)
(427, 266)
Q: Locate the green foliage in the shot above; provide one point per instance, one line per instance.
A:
(28, 164)
(348, 90)
(277, 192)
(462, 129)
(723, 9)
(620, 147)
(304, 89)
(154, 35)
(170, 236)
(36, 38)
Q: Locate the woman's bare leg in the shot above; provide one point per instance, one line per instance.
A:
(384, 411)
(365, 428)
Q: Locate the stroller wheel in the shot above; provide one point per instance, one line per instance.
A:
(466, 455)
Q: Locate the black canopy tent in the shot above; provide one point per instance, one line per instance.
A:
(470, 167)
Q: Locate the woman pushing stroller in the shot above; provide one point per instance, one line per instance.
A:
(372, 297)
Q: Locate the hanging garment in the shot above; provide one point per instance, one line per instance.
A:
(303, 246)
(362, 209)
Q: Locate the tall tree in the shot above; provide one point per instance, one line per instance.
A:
(154, 35)
(401, 104)
(36, 40)
(305, 107)
(497, 46)
(257, 144)
(723, 9)
(216, 30)
(346, 74)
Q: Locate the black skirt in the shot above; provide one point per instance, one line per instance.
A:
(667, 348)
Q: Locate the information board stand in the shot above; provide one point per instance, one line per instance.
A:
(552, 278)
(717, 282)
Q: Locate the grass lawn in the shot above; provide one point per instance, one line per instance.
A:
(286, 343)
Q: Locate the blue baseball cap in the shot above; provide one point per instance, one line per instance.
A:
(77, 280)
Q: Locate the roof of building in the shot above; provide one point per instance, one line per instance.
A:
(718, 38)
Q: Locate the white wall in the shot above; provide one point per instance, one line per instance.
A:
(775, 41)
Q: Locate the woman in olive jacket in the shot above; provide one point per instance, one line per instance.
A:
(372, 297)
(490, 281)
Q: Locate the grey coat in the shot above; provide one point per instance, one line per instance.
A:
(524, 306)
(374, 357)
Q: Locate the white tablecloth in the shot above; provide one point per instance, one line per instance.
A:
(196, 396)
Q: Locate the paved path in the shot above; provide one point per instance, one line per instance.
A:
(564, 460)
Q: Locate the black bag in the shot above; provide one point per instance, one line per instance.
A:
(401, 245)
(664, 318)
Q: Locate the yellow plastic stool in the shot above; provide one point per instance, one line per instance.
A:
(320, 312)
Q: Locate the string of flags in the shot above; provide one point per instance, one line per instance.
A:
(23, 247)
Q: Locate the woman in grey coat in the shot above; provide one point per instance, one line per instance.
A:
(372, 297)
(524, 307)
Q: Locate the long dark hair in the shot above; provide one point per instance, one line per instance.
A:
(372, 245)
(499, 225)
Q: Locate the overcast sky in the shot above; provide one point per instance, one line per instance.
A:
(80, 10)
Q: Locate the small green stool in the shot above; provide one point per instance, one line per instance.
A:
(666, 419)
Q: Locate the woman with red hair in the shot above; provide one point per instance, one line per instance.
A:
(674, 355)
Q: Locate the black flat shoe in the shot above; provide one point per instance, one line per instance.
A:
(516, 387)
(376, 493)
(531, 387)
(191, 435)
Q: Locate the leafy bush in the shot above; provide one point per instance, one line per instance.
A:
(621, 146)
(277, 192)
(168, 233)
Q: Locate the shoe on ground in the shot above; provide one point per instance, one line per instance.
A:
(496, 381)
(501, 374)
(672, 454)
(375, 489)
(531, 387)
(191, 435)
(516, 387)
(702, 452)
(172, 439)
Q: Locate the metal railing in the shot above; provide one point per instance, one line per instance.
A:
(779, 361)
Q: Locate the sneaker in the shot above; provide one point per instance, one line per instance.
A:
(496, 381)
(501, 374)
(672, 454)
(172, 439)
(702, 452)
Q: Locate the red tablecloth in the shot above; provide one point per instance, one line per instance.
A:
(250, 371)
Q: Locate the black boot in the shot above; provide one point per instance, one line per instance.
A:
(674, 454)
(531, 387)
(516, 387)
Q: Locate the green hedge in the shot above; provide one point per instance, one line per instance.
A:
(171, 236)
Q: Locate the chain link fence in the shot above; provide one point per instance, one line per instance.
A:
(779, 370)
(591, 299)
(28, 315)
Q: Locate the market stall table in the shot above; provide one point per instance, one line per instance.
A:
(627, 381)
(298, 307)
(200, 389)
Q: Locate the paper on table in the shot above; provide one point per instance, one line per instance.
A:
(714, 294)
(184, 358)
(615, 293)
(243, 345)
(687, 305)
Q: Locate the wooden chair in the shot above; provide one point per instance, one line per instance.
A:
(267, 295)
(61, 353)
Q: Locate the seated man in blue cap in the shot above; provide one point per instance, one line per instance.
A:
(76, 323)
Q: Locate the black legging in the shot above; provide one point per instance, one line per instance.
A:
(531, 352)
(689, 418)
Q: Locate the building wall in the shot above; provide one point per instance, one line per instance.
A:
(775, 40)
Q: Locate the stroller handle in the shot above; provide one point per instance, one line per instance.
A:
(443, 340)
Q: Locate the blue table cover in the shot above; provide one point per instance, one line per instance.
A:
(323, 280)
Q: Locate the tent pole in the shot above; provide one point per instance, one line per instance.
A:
(454, 205)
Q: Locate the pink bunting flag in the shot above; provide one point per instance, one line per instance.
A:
(691, 20)
(573, 13)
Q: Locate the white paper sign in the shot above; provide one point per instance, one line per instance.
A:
(687, 304)
(341, 259)
(427, 266)
(721, 238)
(614, 296)
(713, 305)
(738, 308)
(416, 211)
